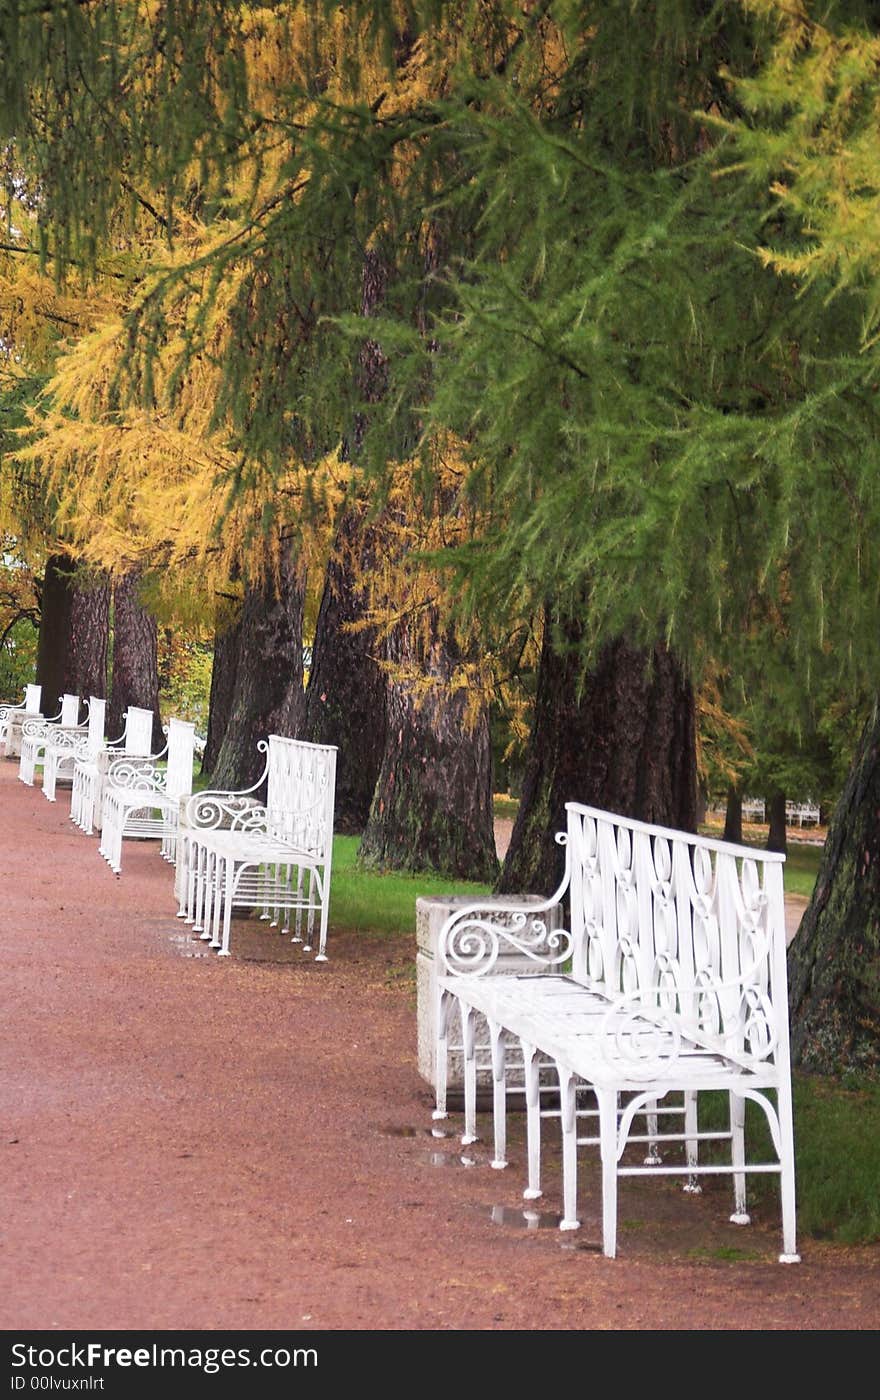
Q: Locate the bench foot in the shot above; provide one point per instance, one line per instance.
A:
(438, 1114)
(789, 1258)
(693, 1188)
(321, 957)
(569, 1224)
(224, 953)
(653, 1159)
(740, 1219)
(468, 1138)
(530, 1194)
(498, 1166)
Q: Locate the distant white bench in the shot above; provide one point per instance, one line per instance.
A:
(802, 813)
(142, 800)
(668, 978)
(67, 746)
(12, 717)
(238, 853)
(90, 770)
(37, 734)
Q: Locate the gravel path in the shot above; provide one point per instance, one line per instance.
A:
(245, 1143)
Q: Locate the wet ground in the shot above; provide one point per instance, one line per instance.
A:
(196, 1143)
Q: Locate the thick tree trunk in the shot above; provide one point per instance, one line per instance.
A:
(227, 642)
(624, 742)
(268, 696)
(135, 675)
(834, 961)
(72, 646)
(777, 837)
(345, 699)
(432, 808)
(733, 817)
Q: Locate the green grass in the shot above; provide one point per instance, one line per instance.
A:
(836, 1131)
(801, 868)
(382, 903)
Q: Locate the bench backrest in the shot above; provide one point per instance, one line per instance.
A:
(301, 793)
(97, 715)
(138, 732)
(32, 698)
(682, 924)
(178, 776)
(69, 711)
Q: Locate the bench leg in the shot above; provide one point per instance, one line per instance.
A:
(789, 1253)
(499, 1095)
(444, 1006)
(441, 1065)
(607, 1100)
(469, 1038)
(568, 1105)
(225, 879)
(533, 1119)
(738, 1156)
(653, 1156)
(692, 1184)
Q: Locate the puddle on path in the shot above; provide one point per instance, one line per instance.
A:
(524, 1219)
(189, 947)
(407, 1131)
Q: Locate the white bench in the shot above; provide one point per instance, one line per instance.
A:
(667, 978)
(238, 853)
(90, 771)
(11, 717)
(802, 812)
(36, 734)
(69, 745)
(141, 800)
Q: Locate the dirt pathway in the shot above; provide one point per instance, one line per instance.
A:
(195, 1143)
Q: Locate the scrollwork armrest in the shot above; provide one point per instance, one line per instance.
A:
(135, 775)
(37, 728)
(215, 811)
(472, 939)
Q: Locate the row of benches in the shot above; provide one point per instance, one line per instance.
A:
(230, 849)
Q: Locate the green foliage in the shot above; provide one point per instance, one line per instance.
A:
(184, 678)
(18, 659)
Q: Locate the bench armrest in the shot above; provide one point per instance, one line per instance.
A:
(474, 938)
(136, 775)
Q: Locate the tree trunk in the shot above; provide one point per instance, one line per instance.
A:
(624, 741)
(135, 676)
(432, 808)
(777, 837)
(72, 646)
(268, 697)
(834, 961)
(227, 642)
(733, 817)
(345, 699)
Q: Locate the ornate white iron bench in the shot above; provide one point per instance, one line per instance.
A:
(37, 734)
(69, 745)
(276, 858)
(90, 771)
(140, 800)
(12, 716)
(669, 978)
